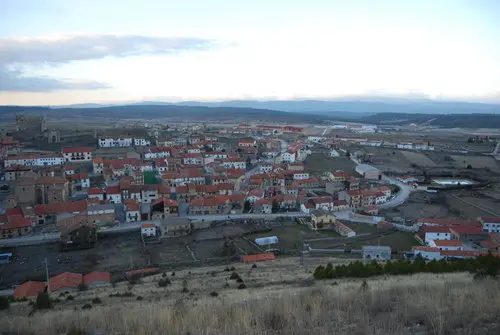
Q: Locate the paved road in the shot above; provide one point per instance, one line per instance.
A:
(400, 198)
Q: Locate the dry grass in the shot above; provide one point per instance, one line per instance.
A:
(418, 158)
(451, 304)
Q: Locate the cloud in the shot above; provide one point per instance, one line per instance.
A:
(17, 53)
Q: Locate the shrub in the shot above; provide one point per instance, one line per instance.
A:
(164, 282)
(87, 306)
(234, 276)
(4, 303)
(43, 301)
(127, 294)
(74, 330)
(164, 275)
(227, 270)
(185, 290)
(214, 294)
(239, 280)
(232, 268)
(242, 286)
(173, 274)
(139, 298)
(82, 287)
(254, 266)
(70, 297)
(56, 300)
(96, 300)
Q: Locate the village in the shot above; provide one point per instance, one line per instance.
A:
(185, 195)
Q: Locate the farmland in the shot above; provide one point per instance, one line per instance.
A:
(418, 159)
(318, 163)
(484, 162)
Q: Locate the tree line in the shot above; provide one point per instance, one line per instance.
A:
(482, 266)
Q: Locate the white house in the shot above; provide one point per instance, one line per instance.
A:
(157, 152)
(447, 244)
(288, 157)
(429, 253)
(490, 224)
(148, 229)
(265, 168)
(115, 141)
(300, 175)
(192, 159)
(315, 139)
(95, 192)
(372, 142)
(217, 154)
(436, 233)
(141, 142)
(77, 154)
(113, 194)
(235, 163)
(193, 150)
(34, 160)
(132, 211)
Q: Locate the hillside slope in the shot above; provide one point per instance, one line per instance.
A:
(280, 298)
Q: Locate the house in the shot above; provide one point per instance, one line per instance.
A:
(300, 175)
(158, 152)
(217, 204)
(67, 281)
(447, 244)
(247, 143)
(177, 226)
(101, 214)
(29, 289)
(113, 194)
(325, 203)
(333, 153)
(343, 230)
(132, 210)
(95, 192)
(264, 206)
(256, 194)
(115, 141)
(372, 142)
(490, 224)
(46, 213)
(149, 230)
(321, 218)
(368, 171)
(376, 252)
(79, 181)
(77, 154)
(98, 165)
(16, 172)
(370, 209)
(234, 163)
(316, 139)
(192, 159)
(34, 160)
(141, 142)
(14, 225)
(339, 205)
(432, 233)
(289, 156)
(468, 233)
(427, 253)
(96, 279)
(163, 207)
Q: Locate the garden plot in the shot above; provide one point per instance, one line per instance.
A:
(476, 162)
(418, 159)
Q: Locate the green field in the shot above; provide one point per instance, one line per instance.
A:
(150, 178)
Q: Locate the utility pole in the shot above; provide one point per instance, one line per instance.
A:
(47, 275)
(302, 248)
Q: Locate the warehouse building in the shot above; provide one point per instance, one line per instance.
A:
(368, 171)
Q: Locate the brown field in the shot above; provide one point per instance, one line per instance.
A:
(418, 159)
(419, 205)
(464, 206)
(276, 301)
(476, 162)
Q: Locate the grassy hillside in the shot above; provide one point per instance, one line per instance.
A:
(280, 298)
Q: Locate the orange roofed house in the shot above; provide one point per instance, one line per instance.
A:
(14, 225)
(67, 281)
(163, 207)
(29, 289)
(218, 204)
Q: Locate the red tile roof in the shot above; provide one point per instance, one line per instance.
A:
(95, 191)
(448, 243)
(112, 190)
(490, 219)
(93, 277)
(216, 200)
(131, 205)
(29, 289)
(66, 279)
(264, 201)
(166, 202)
(62, 207)
(467, 230)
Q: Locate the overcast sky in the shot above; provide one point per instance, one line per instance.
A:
(63, 52)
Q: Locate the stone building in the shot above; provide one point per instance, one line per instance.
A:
(32, 123)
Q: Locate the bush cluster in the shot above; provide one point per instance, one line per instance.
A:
(482, 266)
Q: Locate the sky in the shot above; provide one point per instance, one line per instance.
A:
(58, 52)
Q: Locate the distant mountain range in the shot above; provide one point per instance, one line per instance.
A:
(364, 106)
(444, 114)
